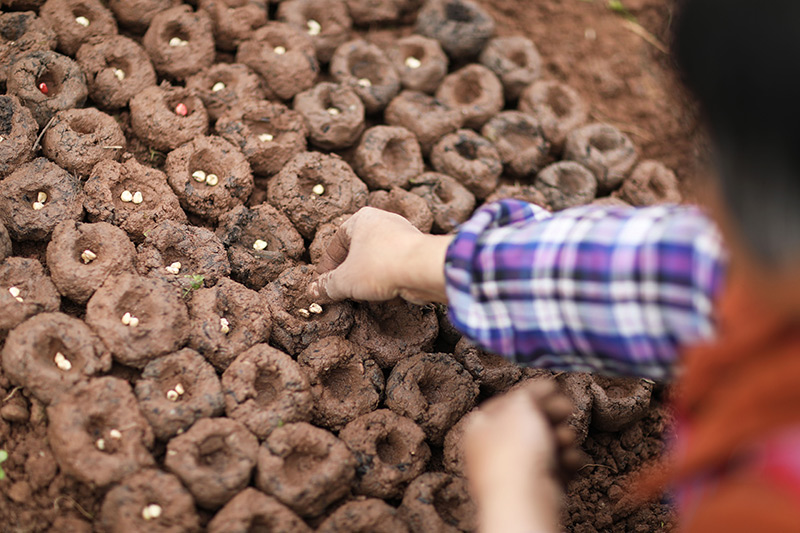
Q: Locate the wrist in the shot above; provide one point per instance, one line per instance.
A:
(420, 274)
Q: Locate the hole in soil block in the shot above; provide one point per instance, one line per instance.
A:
(267, 387)
(54, 346)
(365, 65)
(213, 453)
(394, 155)
(308, 178)
(604, 141)
(559, 101)
(206, 161)
(448, 506)
(519, 58)
(132, 302)
(458, 12)
(300, 464)
(467, 150)
(415, 51)
(339, 381)
(52, 80)
(392, 449)
(175, 30)
(468, 88)
(83, 124)
(431, 390)
(173, 100)
(259, 524)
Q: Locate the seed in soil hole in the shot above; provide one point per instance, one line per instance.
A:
(260, 245)
(172, 395)
(199, 176)
(265, 137)
(151, 511)
(137, 198)
(364, 82)
(174, 268)
(217, 87)
(62, 362)
(212, 180)
(130, 320)
(181, 109)
(177, 41)
(318, 189)
(15, 292)
(115, 434)
(303, 312)
(315, 308)
(333, 111)
(314, 27)
(43, 87)
(83, 21)
(280, 50)
(119, 74)
(100, 444)
(224, 325)
(126, 196)
(41, 198)
(413, 62)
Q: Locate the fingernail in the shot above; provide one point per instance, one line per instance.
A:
(313, 289)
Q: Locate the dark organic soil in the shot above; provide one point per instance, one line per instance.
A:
(436, 502)
(62, 15)
(18, 129)
(193, 29)
(406, 204)
(387, 156)
(334, 115)
(252, 510)
(155, 119)
(37, 294)
(22, 32)
(450, 202)
(364, 516)
(494, 373)
(240, 85)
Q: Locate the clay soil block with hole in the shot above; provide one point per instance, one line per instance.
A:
(366, 69)
(387, 156)
(327, 22)
(226, 320)
(5, 243)
(515, 60)
(81, 256)
(295, 191)
(117, 69)
(566, 184)
(37, 294)
(520, 142)
(577, 387)
(176, 390)
(261, 244)
(18, 130)
(390, 451)
(558, 108)
(367, 12)
(425, 116)
(21, 33)
(439, 503)
(97, 433)
(214, 459)
(494, 373)
(105, 197)
(30, 355)
(36, 197)
(475, 92)
(604, 150)
(124, 505)
(394, 330)
(364, 516)
(78, 139)
(268, 133)
(180, 42)
(47, 82)
(251, 510)
(345, 382)
(283, 56)
(167, 117)
(322, 238)
(76, 21)
(209, 175)
(294, 326)
(333, 113)
(420, 62)
(137, 14)
(161, 324)
(469, 158)
(264, 389)
(453, 448)
(651, 183)
(618, 402)
(410, 206)
(234, 21)
(305, 467)
(434, 390)
(461, 26)
(524, 193)
(224, 86)
(450, 202)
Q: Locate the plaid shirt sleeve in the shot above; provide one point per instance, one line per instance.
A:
(594, 288)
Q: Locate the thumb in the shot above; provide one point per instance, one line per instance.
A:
(332, 286)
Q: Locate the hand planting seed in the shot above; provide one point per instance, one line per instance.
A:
(199, 176)
(318, 189)
(315, 308)
(62, 362)
(333, 111)
(174, 268)
(212, 180)
(115, 434)
(137, 198)
(303, 312)
(151, 511)
(126, 196)
(260, 245)
(181, 109)
(314, 27)
(177, 41)
(119, 73)
(100, 444)
(280, 50)
(218, 87)
(43, 87)
(365, 82)
(88, 256)
(413, 62)
(224, 325)
(265, 137)
(83, 21)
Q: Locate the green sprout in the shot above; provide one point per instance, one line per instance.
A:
(3, 458)
(617, 7)
(196, 283)
(155, 154)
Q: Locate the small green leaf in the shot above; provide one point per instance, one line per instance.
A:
(3, 456)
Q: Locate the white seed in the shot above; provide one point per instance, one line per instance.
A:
(62, 362)
(177, 41)
(115, 434)
(100, 444)
(318, 189)
(260, 245)
(224, 325)
(314, 27)
(199, 176)
(413, 62)
(19, 299)
(151, 511)
(179, 389)
(2, 138)
(333, 111)
(172, 395)
(38, 206)
(126, 196)
(134, 322)
(41, 197)
(280, 50)
(119, 73)
(265, 137)
(174, 268)
(315, 308)
(303, 312)
(88, 256)
(364, 82)
(15, 292)
(218, 87)
(137, 198)
(126, 319)
(212, 180)
(83, 21)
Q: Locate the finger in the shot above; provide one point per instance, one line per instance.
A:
(337, 250)
(557, 408)
(335, 285)
(565, 436)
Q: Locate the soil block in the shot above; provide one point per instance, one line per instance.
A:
(283, 56)
(461, 26)
(124, 506)
(436, 502)
(420, 62)
(520, 142)
(345, 382)
(47, 82)
(334, 115)
(5, 243)
(76, 21)
(366, 69)
(214, 459)
(314, 188)
(494, 373)
(209, 175)
(651, 183)
(166, 117)
(224, 86)
(410, 206)
(610, 201)
(327, 22)
(176, 390)
(244, 231)
(294, 326)
(305, 467)
(394, 330)
(162, 322)
(105, 195)
(558, 108)
(180, 42)
(453, 447)
(265, 389)
(577, 387)
(18, 130)
(226, 320)
(36, 197)
(31, 355)
(137, 14)
(78, 139)
(268, 133)
(515, 60)
(234, 21)
(450, 202)
(618, 402)
(390, 451)
(475, 92)
(364, 516)
(37, 294)
(117, 69)
(425, 116)
(387, 156)
(251, 510)
(604, 150)
(433, 390)
(97, 433)
(20, 33)
(566, 184)
(525, 193)
(369, 12)
(323, 237)
(469, 158)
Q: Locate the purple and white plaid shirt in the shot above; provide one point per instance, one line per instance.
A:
(594, 288)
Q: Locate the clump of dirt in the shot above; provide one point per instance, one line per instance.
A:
(334, 115)
(474, 91)
(76, 21)
(327, 22)
(450, 202)
(406, 204)
(25, 291)
(22, 32)
(78, 139)
(427, 117)
(166, 117)
(366, 69)
(364, 516)
(439, 502)
(515, 61)
(469, 158)
(420, 62)
(387, 156)
(18, 129)
(180, 42)
(252, 510)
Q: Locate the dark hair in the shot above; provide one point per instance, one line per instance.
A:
(741, 59)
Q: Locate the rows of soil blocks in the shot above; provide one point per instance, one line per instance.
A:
(170, 175)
